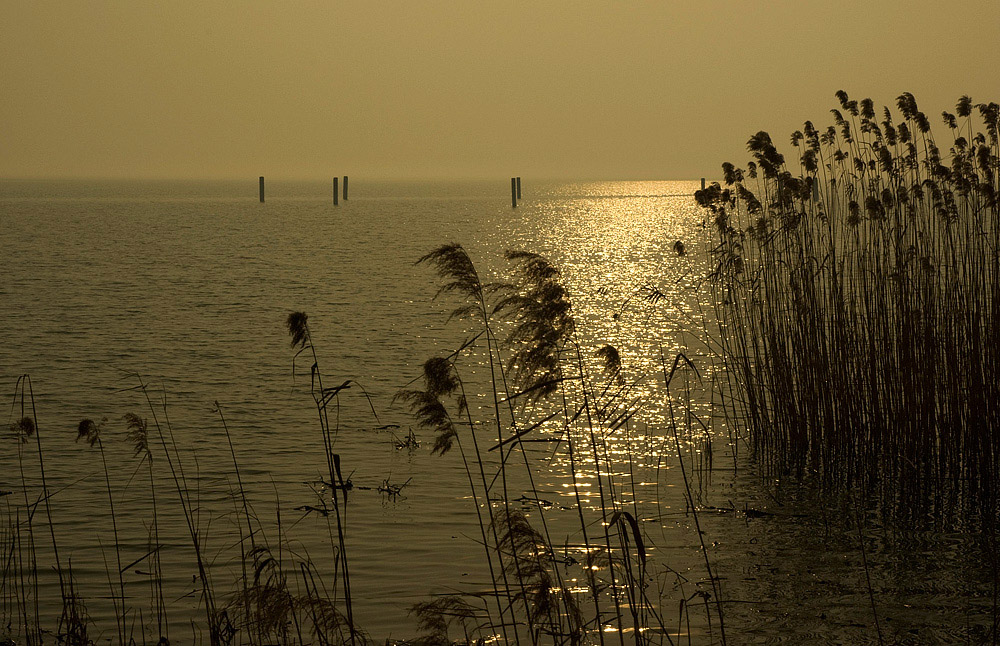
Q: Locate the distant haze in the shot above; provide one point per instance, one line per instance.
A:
(606, 90)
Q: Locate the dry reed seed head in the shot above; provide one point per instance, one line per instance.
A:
(89, 431)
(842, 97)
(987, 162)
(431, 413)
(612, 363)
(514, 529)
(437, 616)
(455, 267)
(753, 205)
(888, 200)
(886, 159)
(809, 161)
(137, 432)
(708, 196)
(440, 376)
(298, 328)
(867, 109)
(729, 173)
(23, 428)
(907, 105)
(990, 113)
(922, 122)
(329, 625)
(963, 107)
(543, 324)
(904, 134)
(534, 269)
(845, 132)
(767, 156)
(853, 213)
(890, 133)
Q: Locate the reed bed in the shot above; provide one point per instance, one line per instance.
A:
(858, 297)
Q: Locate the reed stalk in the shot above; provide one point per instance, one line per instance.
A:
(90, 432)
(298, 329)
(175, 466)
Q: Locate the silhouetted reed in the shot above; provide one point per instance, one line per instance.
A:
(858, 291)
(90, 432)
(22, 430)
(137, 434)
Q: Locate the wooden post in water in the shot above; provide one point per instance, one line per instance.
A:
(513, 192)
(345, 188)
(261, 188)
(336, 192)
(518, 188)
(703, 183)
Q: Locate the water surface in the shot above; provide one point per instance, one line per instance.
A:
(188, 284)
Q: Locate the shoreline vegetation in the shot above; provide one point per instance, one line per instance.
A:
(859, 299)
(856, 298)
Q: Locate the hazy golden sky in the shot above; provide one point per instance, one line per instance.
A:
(582, 89)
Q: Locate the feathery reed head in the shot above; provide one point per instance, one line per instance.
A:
(89, 431)
(768, 157)
(459, 274)
(907, 105)
(440, 376)
(543, 324)
(441, 379)
(842, 97)
(23, 428)
(298, 328)
(612, 363)
(137, 433)
(431, 414)
(434, 618)
(867, 109)
(964, 106)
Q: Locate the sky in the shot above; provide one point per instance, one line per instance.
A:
(411, 89)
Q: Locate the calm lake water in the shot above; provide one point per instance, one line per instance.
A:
(188, 284)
